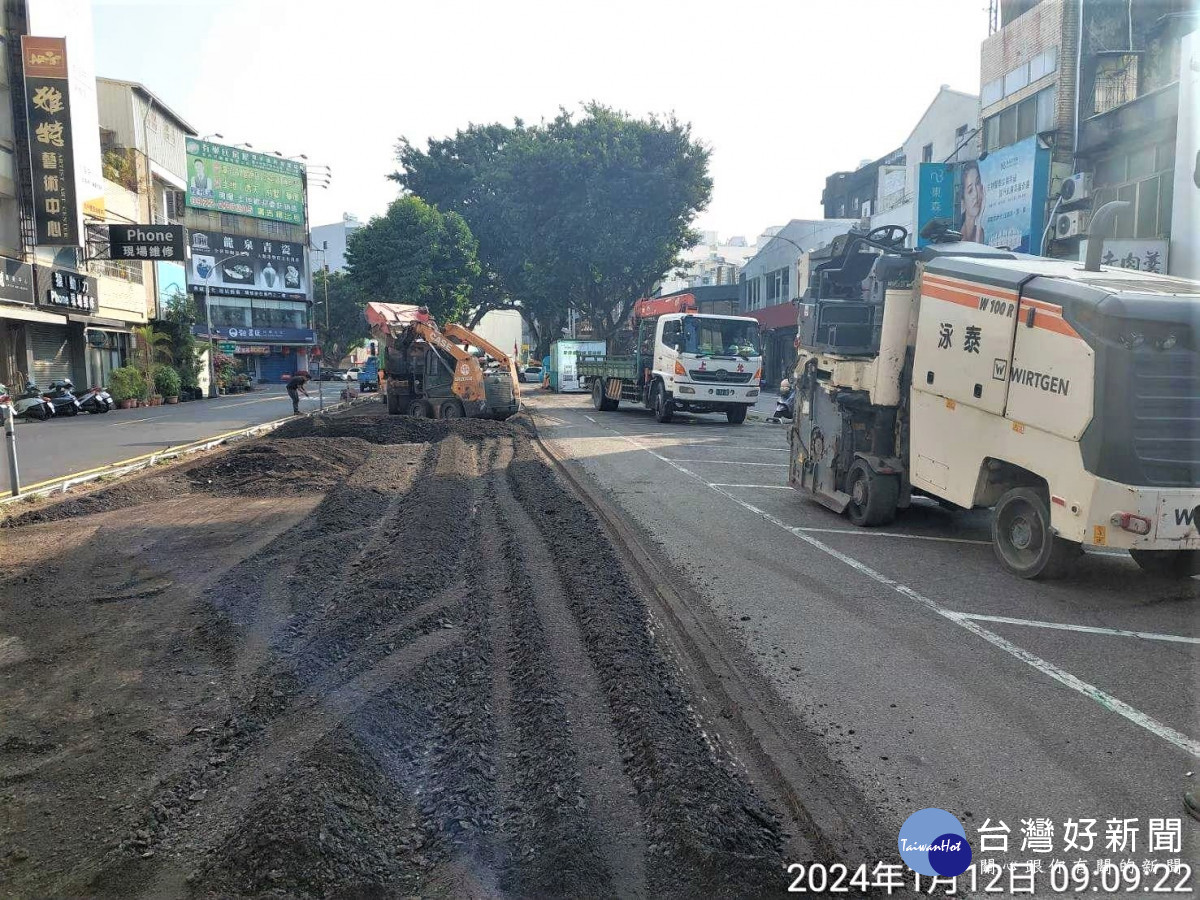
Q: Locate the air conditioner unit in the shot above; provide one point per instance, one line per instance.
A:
(1076, 188)
(1071, 224)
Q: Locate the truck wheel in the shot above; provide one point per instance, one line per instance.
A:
(660, 404)
(419, 409)
(598, 398)
(873, 497)
(737, 414)
(1023, 539)
(1168, 563)
(451, 409)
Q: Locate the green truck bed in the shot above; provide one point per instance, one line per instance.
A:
(591, 366)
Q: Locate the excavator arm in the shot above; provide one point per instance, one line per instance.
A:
(471, 339)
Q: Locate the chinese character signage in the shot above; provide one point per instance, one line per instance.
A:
(16, 281)
(1004, 197)
(935, 195)
(68, 291)
(243, 183)
(133, 242)
(237, 266)
(50, 147)
(1138, 255)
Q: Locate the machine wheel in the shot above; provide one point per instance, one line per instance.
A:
(1023, 539)
(660, 404)
(1168, 563)
(451, 409)
(419, 409)
(873, 497)
(737, 414)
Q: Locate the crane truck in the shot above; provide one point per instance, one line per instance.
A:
(433, 372)
(682, 361)
(1065, 396)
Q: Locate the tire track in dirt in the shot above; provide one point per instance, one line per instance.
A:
(613, 817)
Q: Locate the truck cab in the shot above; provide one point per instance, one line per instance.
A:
(700, 363)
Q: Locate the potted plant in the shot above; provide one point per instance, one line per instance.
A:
(126, 385)
(167, 383)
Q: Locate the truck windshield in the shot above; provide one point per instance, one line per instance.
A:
(720, 337)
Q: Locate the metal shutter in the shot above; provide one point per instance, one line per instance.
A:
(51, 354)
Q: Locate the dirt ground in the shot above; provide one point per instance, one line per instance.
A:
(365, 656)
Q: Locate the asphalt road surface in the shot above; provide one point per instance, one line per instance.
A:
(934, 677)
(67, 446)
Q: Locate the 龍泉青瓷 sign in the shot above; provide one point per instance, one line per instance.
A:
(244, 183)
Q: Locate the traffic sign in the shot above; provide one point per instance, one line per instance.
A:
(226, 347)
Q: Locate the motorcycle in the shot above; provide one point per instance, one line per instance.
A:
(65, 402)
(33, 404)
(95, 400)
(785, 406)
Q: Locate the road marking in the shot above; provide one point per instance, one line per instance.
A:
(1108, 701)
(135, 421)
(772, 487)
(865, 532)
(256, 400)
(726, 462)
(1089, 629)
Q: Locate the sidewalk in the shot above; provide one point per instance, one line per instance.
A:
(66, 446)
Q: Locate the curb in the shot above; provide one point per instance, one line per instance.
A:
(64, 483)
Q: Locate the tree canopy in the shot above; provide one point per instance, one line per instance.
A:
(415, 253)
(581, 212)
(347, 322)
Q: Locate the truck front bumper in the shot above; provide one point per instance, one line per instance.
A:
(1143, 518)
(712, 394)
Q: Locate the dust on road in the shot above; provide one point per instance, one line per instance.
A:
(365, 656)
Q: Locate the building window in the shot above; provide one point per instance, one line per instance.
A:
(993, 92)
(1144, 178)
(1032, 115)
(1016, 79)
(927, 153)
(753, 292)
(1043, 64)
(126, 270)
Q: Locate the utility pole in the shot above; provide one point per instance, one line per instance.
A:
(212, 363)
(9, 414)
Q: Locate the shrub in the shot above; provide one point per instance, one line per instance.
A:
(167, 382)
(127, 383)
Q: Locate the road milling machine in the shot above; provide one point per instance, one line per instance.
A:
(1063, 395)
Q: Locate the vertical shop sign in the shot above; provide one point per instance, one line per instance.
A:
(50, 147)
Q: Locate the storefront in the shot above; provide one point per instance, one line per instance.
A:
(265, 354)
(16, 312)
(778, 335)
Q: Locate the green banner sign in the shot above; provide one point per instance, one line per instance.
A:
(226, 347)
(230, 180)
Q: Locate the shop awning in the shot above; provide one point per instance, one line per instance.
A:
(782, 315)
(102, 323)
(30, 314)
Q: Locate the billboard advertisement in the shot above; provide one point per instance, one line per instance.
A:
(51, 142)
(1004, 197)
(1185, 212)
(244, 183)
(238, 266)
(72, 21)
(935, 195)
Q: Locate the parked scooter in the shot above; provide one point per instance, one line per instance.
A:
(95, 400)
(33, 404)
(65, 402)
(785, 406)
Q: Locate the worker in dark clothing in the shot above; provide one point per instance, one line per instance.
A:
(295, 387)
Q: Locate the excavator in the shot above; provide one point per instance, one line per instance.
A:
(441, 373)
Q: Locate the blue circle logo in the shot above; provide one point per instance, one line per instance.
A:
(933, 842)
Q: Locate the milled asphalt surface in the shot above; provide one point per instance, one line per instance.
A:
(920, 710)
(66, 446)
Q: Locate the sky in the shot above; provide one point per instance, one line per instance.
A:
(784, 92)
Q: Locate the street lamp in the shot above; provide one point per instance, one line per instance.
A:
(212, 363)
(215, 134)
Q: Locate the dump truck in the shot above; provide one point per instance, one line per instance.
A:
(682, 362)
(1065, 397)
(441, 373)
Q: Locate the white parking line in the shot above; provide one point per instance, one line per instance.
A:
(871, 532)
(1108, 701)
(724, 462)
(1089, 629)
(770, 487)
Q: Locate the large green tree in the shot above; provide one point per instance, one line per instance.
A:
(344, 329)
(585, 212)
(415, 253)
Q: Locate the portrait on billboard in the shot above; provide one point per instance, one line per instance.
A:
(201, 184)
(971, 225)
